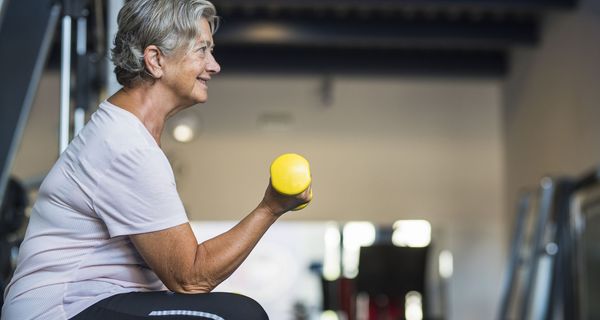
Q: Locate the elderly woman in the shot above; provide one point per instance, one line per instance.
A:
(108, 236)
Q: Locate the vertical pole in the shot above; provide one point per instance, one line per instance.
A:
(2, 6)
(65, 84)
(537, 246)
(114, 6)
(523, 210)
(79, 116)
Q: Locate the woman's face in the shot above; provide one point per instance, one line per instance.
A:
(187, 72)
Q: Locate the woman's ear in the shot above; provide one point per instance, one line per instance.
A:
(153, 59)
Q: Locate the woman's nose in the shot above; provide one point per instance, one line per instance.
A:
(212, 65)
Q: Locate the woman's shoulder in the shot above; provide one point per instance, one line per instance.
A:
(117, 130)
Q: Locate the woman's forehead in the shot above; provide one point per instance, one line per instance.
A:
(205, 27)
(205, 32)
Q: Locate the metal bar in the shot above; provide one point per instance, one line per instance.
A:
(65, 85)
(112, 11)
(26, 35)
(557, 304)
(547, 194)
(575, 295)
(523, 208)
(82, 76)
(81, 36)
(3, 4)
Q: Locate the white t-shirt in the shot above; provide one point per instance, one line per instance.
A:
(112, 181)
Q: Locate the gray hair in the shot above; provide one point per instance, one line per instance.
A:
(167, 24)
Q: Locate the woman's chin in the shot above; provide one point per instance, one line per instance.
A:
(199, 98)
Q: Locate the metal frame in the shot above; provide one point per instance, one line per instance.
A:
(26, 35)
(65, 84)
(73, 10)
(586, 194)
(533, 300)
(515, 260)
(542, 263)
(33, 23)
(556, 281)
(3, 4)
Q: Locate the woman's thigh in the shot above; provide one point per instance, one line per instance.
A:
(173, 306)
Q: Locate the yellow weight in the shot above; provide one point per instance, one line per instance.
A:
(290, 175)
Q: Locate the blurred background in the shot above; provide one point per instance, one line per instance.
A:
(424, 122)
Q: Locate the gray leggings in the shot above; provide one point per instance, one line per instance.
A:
(174, 306)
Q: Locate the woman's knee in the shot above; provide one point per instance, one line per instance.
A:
(244, 307)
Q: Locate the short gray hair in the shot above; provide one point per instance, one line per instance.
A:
(167, 24)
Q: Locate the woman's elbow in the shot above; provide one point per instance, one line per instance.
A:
(191, 285)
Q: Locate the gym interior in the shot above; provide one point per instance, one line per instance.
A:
(453, 147)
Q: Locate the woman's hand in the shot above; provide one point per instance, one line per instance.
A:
(278, 204)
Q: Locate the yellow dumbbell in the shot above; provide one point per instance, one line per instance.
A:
(290, 175)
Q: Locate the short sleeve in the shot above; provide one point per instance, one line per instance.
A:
(137, 194)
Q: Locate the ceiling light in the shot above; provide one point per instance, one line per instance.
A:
(184, 126)
(183, 133)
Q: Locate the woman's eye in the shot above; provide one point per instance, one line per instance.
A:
(202, 51)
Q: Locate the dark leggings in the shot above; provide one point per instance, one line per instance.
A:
(174, 306)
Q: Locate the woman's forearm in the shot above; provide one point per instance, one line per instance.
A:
(217, 258)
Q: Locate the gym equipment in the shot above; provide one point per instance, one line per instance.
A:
(74, 10)
(290, 175)
(12, 211)
(584, 253)
(578, 258)
(12, 218)
(541, 281)
(386, 270)
(553, 268)
(529, 282)
(26, 32)
(520, 254)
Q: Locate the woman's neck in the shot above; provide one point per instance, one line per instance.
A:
(145, 104)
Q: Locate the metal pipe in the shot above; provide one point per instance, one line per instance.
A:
(81, 36)
(529, 305)
(515, 260)
(113, 7)
(65, 85)
(81, 106)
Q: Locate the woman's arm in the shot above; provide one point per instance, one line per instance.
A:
(185, 266)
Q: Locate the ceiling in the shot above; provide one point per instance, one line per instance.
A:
(398, 37)
(422, 37)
